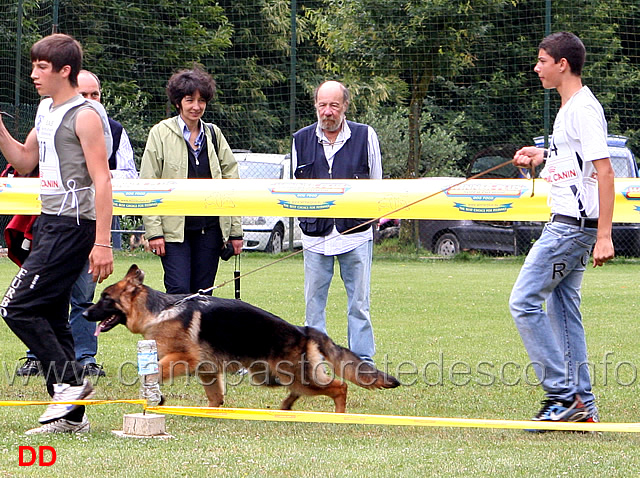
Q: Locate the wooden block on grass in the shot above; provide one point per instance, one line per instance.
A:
(143, 425)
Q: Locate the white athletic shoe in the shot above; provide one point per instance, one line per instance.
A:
(63, 392)
(62, 426)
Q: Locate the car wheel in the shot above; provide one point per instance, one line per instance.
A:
(447, 245)
(275, 240)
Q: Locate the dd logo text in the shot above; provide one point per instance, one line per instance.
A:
(27, 455)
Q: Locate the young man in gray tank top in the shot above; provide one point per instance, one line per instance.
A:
(70, 144)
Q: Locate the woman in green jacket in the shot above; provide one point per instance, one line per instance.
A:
(185, 147)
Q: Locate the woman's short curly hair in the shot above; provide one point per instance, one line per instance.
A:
(187, 82)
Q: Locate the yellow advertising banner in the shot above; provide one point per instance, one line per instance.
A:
(426, 198)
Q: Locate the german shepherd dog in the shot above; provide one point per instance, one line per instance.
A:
(208, 336)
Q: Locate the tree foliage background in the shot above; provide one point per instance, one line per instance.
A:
(440, 80)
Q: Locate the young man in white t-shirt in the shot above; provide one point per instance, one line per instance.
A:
(581, 199)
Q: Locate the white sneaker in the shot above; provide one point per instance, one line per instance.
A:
(62, 426)
(63, 392)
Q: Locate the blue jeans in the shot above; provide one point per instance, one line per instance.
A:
(116, 237)
(555, 339)
(84, 340)
(355, 271)
(83, 331)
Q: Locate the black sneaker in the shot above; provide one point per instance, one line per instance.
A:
(93, 369)
(30, 368)
(563, 411)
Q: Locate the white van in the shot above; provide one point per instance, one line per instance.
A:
(266, 233)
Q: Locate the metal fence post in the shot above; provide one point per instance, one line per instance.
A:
(292, 104)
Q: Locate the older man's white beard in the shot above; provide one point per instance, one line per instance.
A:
(331, 125)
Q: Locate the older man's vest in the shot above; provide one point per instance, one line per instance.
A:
(350, 162)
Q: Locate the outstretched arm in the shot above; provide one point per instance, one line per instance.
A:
(528, 156)
(23, 157)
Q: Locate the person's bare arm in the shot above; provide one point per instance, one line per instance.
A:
(23, 157)
(90, 134)
(603, 250)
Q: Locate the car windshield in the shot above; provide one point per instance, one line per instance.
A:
(256, 170)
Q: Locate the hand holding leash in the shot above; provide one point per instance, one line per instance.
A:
(237, 246)
(529, 156)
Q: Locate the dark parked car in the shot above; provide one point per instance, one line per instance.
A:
(449, 237)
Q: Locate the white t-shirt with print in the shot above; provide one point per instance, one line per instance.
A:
(579, 137)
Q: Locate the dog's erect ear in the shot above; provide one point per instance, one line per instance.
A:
(133, 269)
(135, 274)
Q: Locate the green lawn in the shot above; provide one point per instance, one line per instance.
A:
(443, 326)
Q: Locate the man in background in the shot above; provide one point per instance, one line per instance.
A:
(338, 149)
(121, 161)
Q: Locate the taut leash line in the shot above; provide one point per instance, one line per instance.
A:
(238, 277)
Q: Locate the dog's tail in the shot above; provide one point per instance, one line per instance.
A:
(348, 365)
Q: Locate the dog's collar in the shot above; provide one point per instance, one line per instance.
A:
(200, 293)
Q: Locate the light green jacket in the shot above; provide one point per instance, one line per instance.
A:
(165, 157)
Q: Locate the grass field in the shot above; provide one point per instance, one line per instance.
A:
(442, 326)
